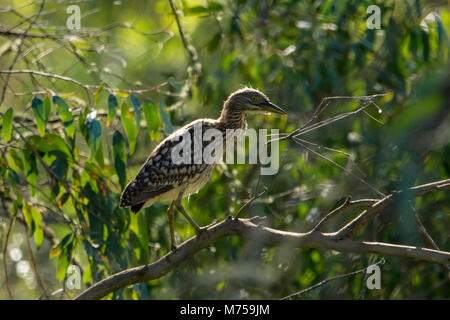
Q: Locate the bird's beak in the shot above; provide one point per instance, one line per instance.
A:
(270, 107)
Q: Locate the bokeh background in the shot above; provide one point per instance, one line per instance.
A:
(97, 134)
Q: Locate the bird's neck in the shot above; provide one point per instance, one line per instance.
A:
(232, 118)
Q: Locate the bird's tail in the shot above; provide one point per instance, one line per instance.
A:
(137, 207)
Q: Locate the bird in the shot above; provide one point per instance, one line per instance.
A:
(163, 178)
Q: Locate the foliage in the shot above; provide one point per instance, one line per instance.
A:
(69, 147)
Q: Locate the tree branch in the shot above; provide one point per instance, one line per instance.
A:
(348, 203)
(266, 236)
(373, 211)
(86, 87)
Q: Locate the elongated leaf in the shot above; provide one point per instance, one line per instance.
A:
(47, 108)
(94, 132)
(136, 105)
(51, 142)
(13, 177)
(63, 199)
(122, 94)
(26, 210)
(152, 119)
(33, 219)
(30, 170)
(99, 155)
(38, 232)
(38, 111)
(128, 124)
(16, 158)
(65, 255)
(41, 111)
(112, 106)
(59, 168)
(97, 93)
(120, 157)
(165, 117)
(66, 116)
(7, 125)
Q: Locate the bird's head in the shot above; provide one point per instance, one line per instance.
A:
(249, 101)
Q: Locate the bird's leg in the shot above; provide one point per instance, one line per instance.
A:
(185, 214)
(173, 245)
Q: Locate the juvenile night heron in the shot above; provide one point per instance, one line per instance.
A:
(162, 178)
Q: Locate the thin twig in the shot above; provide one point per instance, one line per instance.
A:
(189, 48)
(426, 235)
(348, 203)
(367, 215)
(86, 87)
(5, 258)
(33, 262)
(339, 166)
(50, 75)
(322, 106)
(19, 49)
(255, 193)
(323, 282)
(241, 209)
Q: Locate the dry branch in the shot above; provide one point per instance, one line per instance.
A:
(373, 211)
(249, 229)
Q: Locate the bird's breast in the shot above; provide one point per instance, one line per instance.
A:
(196, 183)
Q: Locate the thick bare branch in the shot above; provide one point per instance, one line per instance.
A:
(266, 236)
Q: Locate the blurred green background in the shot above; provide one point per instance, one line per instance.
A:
(297, 52)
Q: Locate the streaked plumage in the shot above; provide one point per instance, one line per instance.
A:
(162, 179)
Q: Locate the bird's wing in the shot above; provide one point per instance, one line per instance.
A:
(162, 172)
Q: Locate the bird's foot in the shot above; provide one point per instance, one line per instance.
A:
(173, 247)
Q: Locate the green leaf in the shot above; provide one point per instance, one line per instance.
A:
(97, 93)
(63, 199)
(33, 219)
(59, 168)
(57, 249)
(41, 111)
(47, 108)
(64, 251)
(136, 104)
(152, 119)
(16, 158)
(63, 264)
(87, 274)
(128, 124)
(26, 210)
(7, 125)
(51, 143)
(212, 7)
(94, 132)
(13, 177)
(165, 117)
(112, 106)
(30, 170)
(99, 156)
(120, 157)
(37, 220)
(66, 116)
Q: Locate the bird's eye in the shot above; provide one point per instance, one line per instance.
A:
(254, 98)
